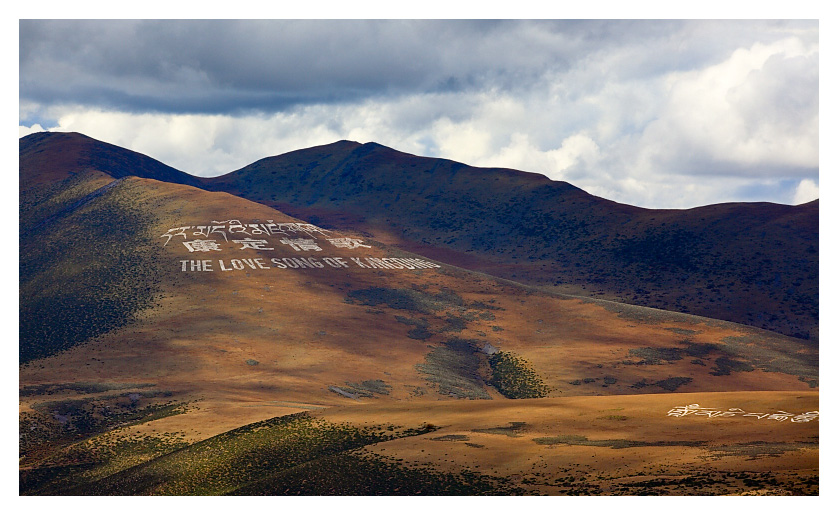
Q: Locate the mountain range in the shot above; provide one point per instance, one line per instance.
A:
(349, 319)
(750, 263)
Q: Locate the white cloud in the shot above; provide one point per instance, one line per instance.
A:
(806, 191)
(577, 150)
(204, 145)
(463, 141)
(25, 131)
(758, 108)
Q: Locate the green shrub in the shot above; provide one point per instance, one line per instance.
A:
(724, 366)
(514, 377)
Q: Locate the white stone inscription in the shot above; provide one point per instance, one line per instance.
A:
(235, 228)
(697, 410)
(270, 236)
(301, 244)
(201, 245)
(347, 243)
(225, 265)
(249, 243)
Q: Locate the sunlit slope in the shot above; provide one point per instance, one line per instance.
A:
(232, 313)
(669, 444)
(752, 263)
(49, 157)
(312, 315)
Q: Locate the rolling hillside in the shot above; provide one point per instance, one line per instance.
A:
(752, 263)
(175, 340)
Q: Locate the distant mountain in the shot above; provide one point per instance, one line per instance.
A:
(752, 263)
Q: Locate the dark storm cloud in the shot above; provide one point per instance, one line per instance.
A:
(221, 66)
(218, 66)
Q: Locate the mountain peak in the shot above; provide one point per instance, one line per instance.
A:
(54, 156)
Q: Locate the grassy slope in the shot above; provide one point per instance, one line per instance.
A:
(243, 347)
(521, 226)
(428, 329)
(87, 265)
(49, 157)
(292, 455)
(85, 270)
(572, 446)
(749, 263)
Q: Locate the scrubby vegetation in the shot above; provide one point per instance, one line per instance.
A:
(355, 473)
(406, 299)
(614, 417)
(736, 354)
(772, 353)
(450, 438)
(514, 429)
(456, 312)
(669, 384)
(515, 378)
(724, 366)
(44, 203)
(722, 483)
(612, 443)
(659, 355)
(756, 450)
(90, 274)
(368, 388)
(420, 329)
(292, 455)
(75, 466)
(228, 461)
(455, 370)
(670, 250)
(55, 423)
(79, 387)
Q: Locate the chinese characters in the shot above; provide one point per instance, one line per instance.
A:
(269, 238)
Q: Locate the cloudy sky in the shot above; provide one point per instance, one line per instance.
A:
(651, 113)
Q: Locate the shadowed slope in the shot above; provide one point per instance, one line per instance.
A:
(752, 263)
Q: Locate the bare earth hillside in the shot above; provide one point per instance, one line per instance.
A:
(179, 341)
